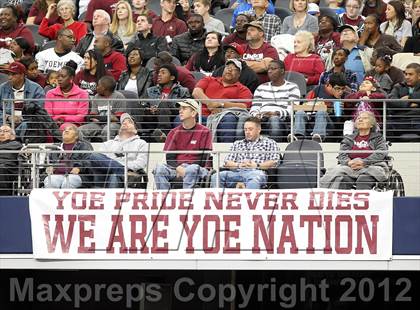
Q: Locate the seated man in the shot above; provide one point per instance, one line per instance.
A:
(404, 114)
(69, 169)
(335, 89)
(97, 118)
(189, 136)
(246, 165)
(111, 166)
(223, 116)
(269, 101)
(161, 114)
(8, 159)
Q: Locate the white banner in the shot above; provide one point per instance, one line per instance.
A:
(211, 224)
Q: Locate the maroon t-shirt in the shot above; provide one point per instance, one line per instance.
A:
(353, 22)
(258, 54)
(171, 28)
(194, 139)
(361, 143)
(233, 37)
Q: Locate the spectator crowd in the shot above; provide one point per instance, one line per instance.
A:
(120, 72)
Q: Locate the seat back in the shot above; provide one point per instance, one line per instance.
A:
(151, 63)
(133, 107)
(329, 12)
(47, 45)
(225, 15)
(198, 75)
(303, 158)
(39, 39)
(282, 12)
(299, 79)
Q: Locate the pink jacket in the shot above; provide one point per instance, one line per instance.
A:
(70, 111)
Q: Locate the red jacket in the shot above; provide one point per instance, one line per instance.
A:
(79, 29)
(311, 67)
(115, 63)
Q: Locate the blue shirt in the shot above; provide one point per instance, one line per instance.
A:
(354, 63)
(244, 7)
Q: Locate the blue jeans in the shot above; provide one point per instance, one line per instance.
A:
(106, 171)
(63, 181)
(320, 126)
(164, 174)
(226, 130)
(252, 178)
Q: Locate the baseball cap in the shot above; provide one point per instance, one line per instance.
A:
(125, 116)
(237, 47)
(191, 103)
(16, 67)
(236, 62)
(341, 28)
(313, 8)
(255, 24)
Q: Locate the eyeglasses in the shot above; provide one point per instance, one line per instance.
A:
(5, 130)
(352, 7)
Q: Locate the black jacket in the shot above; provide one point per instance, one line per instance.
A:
(84, 43)
(403, 108)
(149, 45)
(184, 45)
(9, 159)
(248, 77)
(144, 81)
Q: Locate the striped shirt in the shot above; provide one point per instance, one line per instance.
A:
(269, 98)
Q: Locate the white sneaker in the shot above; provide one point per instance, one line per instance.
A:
(317, 138)
(291, 138)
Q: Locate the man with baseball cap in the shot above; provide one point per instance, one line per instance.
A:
(19, 88)
(258, 53)
(189, 136)
(222, 116)
(359, 59)
(270, 22)
(248, 77)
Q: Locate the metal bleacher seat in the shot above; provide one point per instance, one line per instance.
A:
(225, 15)
(39, 39)
(47, 45)
(282, 12)
(299, 79)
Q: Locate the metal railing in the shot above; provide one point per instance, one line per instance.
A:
(147, 122)
(28, 168)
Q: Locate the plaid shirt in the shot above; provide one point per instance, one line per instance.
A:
(272, 24)
(350, 76)
(246, 151)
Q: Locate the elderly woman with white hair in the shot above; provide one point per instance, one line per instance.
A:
(300, 20)
(362, 158)
(304, 60)
(66, 10)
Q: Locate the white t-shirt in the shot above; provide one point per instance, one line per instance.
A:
(131, 85)
(49, 60)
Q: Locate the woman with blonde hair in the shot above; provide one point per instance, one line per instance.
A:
(304, 60)
(122, 24)
(300, 20)
(66, 10)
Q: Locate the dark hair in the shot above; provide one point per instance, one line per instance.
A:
(337, 79)
(70, 68)
(387, 59)
(164, 57)
(148, 17)
(23, 44)
(196, 15)
(27, 61)
(172, 70)
(378, 7)
(414, 66)
(400, 11)
(14, 10)
(100, 66)
(49, 72)
(133, 48)
(280, 63)
(333, 21)
(206, 63)
(108, 82)
(248, 17)
(254, 120)
(345, 50)
(377, 19)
